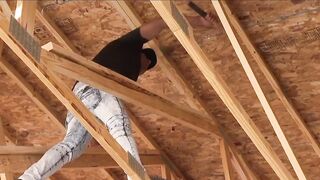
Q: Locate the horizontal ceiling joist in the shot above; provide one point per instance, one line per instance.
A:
(183, 31)
(20, 162)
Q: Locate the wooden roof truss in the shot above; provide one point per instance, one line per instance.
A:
(66, 60)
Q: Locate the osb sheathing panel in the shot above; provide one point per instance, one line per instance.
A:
(219, 50)
(287, 35)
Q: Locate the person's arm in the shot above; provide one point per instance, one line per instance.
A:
(152, 29)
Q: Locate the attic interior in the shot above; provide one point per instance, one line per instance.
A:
(238, 100)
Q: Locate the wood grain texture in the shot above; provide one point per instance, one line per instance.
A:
(220, 86)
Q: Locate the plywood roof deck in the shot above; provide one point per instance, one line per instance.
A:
(286, 32)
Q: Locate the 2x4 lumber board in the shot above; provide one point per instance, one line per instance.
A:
(185, 36)
(72, 103)
(77, 67)
(55, 30)
(172, 72)
(6, 176)
(6, 8)
(21, 162)
(165, 172)
(31, 92)
(168, 68)
(226, 160)
(42, 149)
(258, 90)
(25, 14)
(271, 78)
(26, 87)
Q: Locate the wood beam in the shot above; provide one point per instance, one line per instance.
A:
(72, 103)
(35, 96)
(25, 14)
(77, 67)
(19, 163)
(6, 176)
(226, 161)
(27, 87)
(183, 31)
(55, 30)
(6, 8)
(258, 90)
(177, 78)
(165, 172)
(271, 78)
(15, 150)
(6, 173)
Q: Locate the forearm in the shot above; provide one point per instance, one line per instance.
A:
(152, 29)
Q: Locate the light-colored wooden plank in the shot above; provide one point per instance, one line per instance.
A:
(100, 77)
(6, 9)
(19, 163)
(6, 173)
(184, 87)
(226, 161)
(72, 103)
(6, 176)
(9, 149)
(271, 78)
(55, 30)
(185, 36)
(31, 92)
(165, 172)
(258, 90)
(25, 14)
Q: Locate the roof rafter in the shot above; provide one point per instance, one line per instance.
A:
(25, 14)
(259, 92)
(226, 161)
(183, 31)
(55, 30)
(271, 78)
(35, 96)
